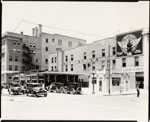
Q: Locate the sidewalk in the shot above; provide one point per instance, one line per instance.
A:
(131, 92)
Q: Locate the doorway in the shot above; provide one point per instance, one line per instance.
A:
(100, 85)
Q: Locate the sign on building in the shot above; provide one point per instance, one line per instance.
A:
(132, 69)
(129, 43)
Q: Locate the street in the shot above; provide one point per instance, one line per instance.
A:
(75, 107)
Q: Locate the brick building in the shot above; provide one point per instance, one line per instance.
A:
(24, 52)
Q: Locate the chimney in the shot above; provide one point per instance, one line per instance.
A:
(36, 31)
(40, 29)
(33, 32)
(21, 32)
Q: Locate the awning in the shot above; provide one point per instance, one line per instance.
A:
(63, 73)
(9, 72)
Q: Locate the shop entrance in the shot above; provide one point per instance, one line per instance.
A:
(140, 82)
(100, 85)
(139, 76)
(116, 83)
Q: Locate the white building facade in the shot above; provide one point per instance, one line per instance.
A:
(117, 63)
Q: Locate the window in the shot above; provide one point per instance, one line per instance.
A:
(84, 55)
(10, 67)
(53, 40)
(124, 62)
(46, 61)
(103, 52)
(10, 58)
(116, 81)
(114, 51)
(9, 77)
(113, 63)
(93, 66)
(71, 67)
(37, 60)
(46, 40)
(16, 68)
(93, 54)
(55, 68)
(70, 44)
(46, 48)
(66, 58)
(136, 61)
(14, 43)
(103, 64)
(52, 68)
(16, 58)
(84, 67)
(55, 59)
(66, 68)
(37, 67)
(59, 42)
(52, 60)
(71, 57)
(18, 43)
(89, 65)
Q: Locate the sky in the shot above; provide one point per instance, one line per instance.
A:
(86, 20)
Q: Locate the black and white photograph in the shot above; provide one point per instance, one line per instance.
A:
(75, 60)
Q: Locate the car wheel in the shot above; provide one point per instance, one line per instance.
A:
(45, 95)
(35, 95)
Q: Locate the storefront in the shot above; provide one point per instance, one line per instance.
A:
(139, 76)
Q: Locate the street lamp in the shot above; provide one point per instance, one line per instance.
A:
(93, 81)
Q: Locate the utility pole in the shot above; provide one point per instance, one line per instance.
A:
(109, 69)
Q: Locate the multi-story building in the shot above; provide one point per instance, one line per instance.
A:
(24, 52)
(118, 62)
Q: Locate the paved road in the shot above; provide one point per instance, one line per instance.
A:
(75, 107)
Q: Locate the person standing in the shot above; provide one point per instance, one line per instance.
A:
(138, 91)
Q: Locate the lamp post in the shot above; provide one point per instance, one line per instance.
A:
(93, 92)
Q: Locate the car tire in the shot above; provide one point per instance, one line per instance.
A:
(45, 95)
(35, 95)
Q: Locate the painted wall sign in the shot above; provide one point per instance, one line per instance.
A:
(132, 69)
(129, 43)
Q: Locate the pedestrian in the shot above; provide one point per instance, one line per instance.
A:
(138, 91)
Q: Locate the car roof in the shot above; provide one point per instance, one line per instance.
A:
(14, 83)
(74, 83)
(33, 83)
(58, 83)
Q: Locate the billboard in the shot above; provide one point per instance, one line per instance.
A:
(129, 43)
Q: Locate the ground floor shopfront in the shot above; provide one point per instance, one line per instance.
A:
(116, 83)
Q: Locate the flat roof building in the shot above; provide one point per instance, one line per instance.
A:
(118, 62)
(24, 52)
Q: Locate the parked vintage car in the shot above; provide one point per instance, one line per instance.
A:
(35, 89)
(57, 87)
(16, 88)
(73, 88)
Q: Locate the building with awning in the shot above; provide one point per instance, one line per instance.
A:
(48, 77)
(124, 56)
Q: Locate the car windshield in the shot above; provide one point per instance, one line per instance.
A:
(36, 85)
(15, 85)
